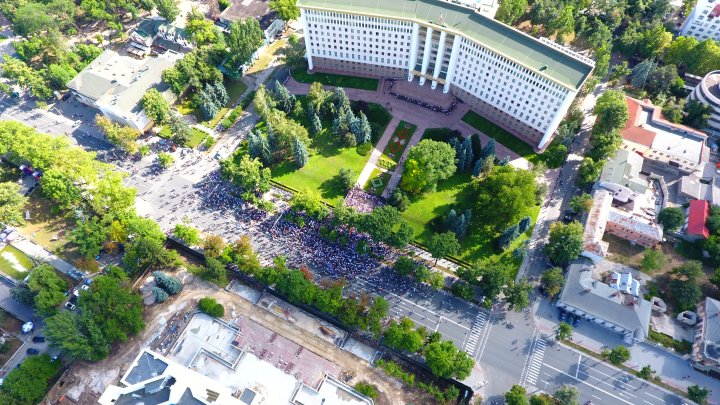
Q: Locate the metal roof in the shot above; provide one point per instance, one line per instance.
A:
(519, 47)
(600, 300)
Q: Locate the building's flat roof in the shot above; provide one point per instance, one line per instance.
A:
(665, 141)
(503, 39)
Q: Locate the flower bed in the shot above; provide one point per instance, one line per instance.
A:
(399, 141)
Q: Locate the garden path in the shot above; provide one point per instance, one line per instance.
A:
(377, 152)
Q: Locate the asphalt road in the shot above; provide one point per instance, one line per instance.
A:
(597, 381)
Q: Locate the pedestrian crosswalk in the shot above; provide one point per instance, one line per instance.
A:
(536, 362)
(475, 333)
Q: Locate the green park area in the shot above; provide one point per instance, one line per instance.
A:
(328, 79)
(426, 210)
(186, 106)
(501, 136)
(327, 157)
(196, 136)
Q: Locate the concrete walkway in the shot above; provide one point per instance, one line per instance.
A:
(39, 254)
(397, 173)
(377, 152)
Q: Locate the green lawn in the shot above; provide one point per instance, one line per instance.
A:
(326, 160)
(399, 141)
(353, 82)
(196, 136)
(383, 177)
(14, 263)
(235, 89)
(326, 157)
(501, 136)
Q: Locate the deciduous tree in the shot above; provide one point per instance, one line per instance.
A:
(427, 163)
(565, 243)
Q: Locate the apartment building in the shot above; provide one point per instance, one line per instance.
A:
(703, 22)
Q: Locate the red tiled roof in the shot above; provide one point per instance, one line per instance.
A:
(697, 216)
(634, 133)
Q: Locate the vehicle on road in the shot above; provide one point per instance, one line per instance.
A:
(28, 327)
(576, 322)
(32, 350)
(38, 339)
(70, 306)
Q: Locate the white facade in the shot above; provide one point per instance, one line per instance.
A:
(708, 93)
(703, 22)
(513, 96)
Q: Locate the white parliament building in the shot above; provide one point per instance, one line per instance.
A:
(520, 83)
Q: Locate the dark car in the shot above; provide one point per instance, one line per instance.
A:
(562, 315)
(32, 350)
(38, 339)
(576, 322)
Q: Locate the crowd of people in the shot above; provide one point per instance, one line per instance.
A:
(433, 107)
(361, 201)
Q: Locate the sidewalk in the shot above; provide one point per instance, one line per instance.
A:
(41, 255)
(377, 152)
(670, 367)
(397, 173)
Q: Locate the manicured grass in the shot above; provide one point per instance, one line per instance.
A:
(377, 174)
(235, 89)
(399, 141)
(326, 160)
(353, 82)
(264, 60)
(220, 115)
(502, 136)
(196, 136)
(478, 244)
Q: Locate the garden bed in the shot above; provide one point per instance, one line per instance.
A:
(196, 136)
(377, 182)
(399, 141)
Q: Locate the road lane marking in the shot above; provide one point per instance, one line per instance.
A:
(484, 339)
(651, 395)
(588, 384)
(536, 360)
(595, 396)
(475, 333)
(577, 370)
(648, 402)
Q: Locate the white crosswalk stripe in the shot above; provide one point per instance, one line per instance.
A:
(475, 332)
(536, 362)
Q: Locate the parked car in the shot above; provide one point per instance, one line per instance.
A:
(576, 322)
(38, 339)
(70, 306)
(32, 350)
(563, 314)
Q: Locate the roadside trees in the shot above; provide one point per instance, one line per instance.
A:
(443, 244)
(552, 281)
(564, 331)
(11, 204)
(617, 356)
(565, 243)
(445, 360)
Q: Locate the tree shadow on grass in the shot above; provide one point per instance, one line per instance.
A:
(330, 189)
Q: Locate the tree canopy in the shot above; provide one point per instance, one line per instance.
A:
(427, 163)
(504, 196)
(565, 243)
(12, 203)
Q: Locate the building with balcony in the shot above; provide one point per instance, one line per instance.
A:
(708, 93)
(703, 22)
(520, 83)
(706, 347)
